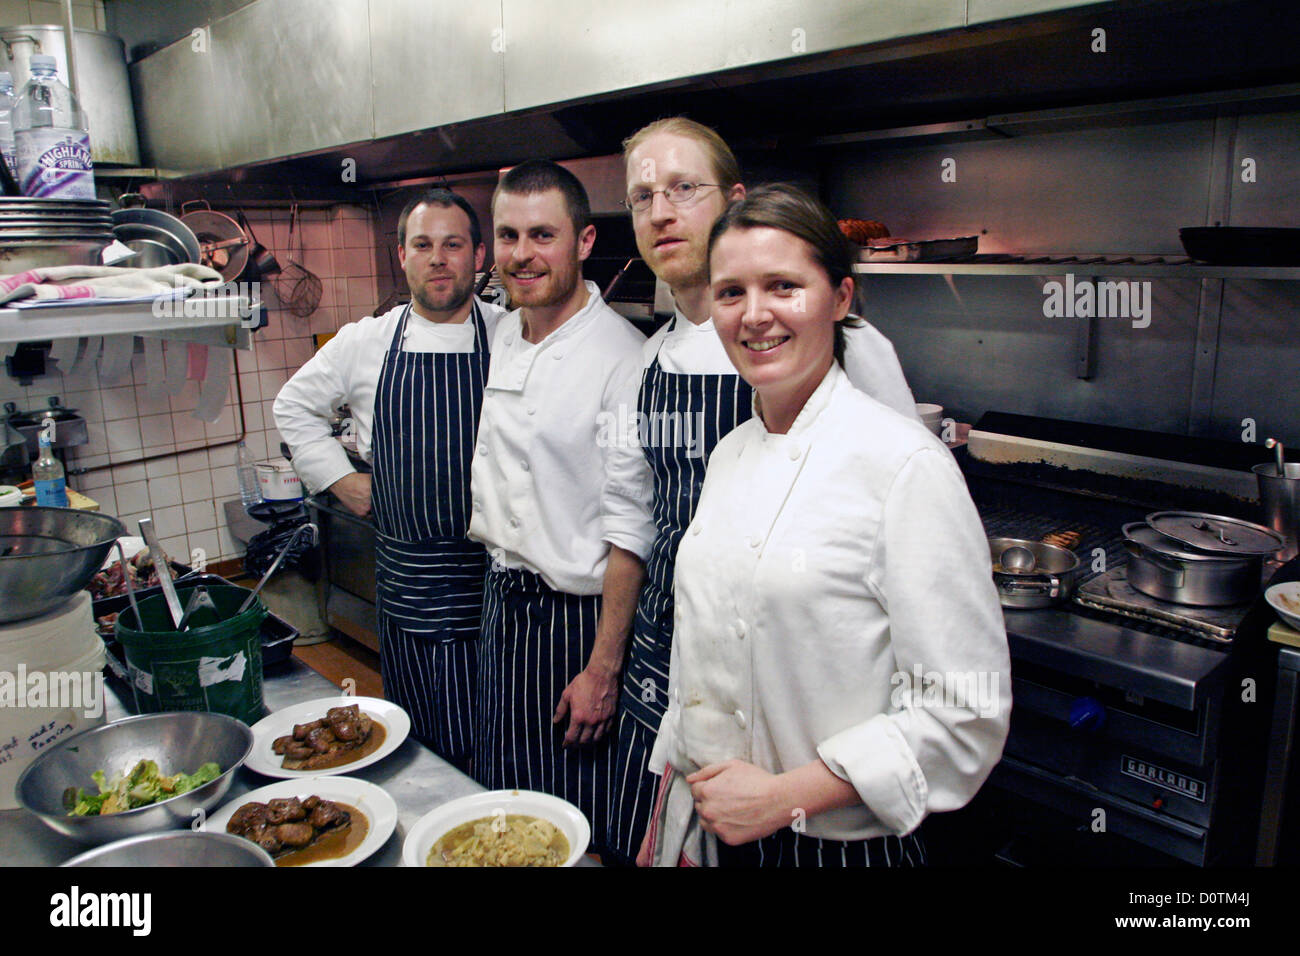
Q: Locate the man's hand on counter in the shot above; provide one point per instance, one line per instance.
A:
(353, 492)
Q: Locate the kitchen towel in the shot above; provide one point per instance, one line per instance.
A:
(212, 394)
(116, 360)
(104, 282)
(154, 370)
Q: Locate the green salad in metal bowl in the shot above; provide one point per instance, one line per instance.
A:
(143, 785)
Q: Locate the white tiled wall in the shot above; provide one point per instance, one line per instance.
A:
(86, 14)
(185, 489)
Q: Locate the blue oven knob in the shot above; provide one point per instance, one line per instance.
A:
(1086, 713)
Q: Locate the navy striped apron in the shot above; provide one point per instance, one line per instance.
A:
(687, 416)
(785, 848)
(428, 574)
(535, 641)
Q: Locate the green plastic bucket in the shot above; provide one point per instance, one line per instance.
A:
(215, 666)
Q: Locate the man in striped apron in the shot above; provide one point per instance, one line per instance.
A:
(414, 381)
(561, 589)
(680, 177)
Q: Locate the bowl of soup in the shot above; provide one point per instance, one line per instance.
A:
(499, 828)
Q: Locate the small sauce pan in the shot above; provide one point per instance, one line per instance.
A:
(1053, 579)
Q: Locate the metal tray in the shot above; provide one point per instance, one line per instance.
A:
(922, 250)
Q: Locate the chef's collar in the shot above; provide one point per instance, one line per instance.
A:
(817, 401)
(683, 326)
(574, 323)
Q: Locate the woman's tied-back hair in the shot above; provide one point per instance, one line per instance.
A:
(723, 160)
(790, 209)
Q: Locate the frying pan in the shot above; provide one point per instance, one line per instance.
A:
(1242, 246)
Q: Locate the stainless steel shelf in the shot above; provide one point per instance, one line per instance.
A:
(218, 323)
(1148, 267)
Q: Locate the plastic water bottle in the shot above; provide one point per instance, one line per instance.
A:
(249, 490)
(47, 475)
(51, 137)
(7, 122)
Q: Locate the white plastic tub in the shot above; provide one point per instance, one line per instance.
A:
(278, 480)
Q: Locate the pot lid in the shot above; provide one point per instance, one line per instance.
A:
(1152, 540)
(1216, 534)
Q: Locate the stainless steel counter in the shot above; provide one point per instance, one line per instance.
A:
(416, 778)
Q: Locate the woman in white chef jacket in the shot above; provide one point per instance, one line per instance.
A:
(840, 667)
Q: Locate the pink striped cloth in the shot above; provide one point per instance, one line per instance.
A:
(104, 282)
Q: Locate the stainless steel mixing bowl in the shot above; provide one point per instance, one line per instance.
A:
(49, 554)
(179, 848)
(180, 741)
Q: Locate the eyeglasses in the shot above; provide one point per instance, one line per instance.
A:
(639, 200)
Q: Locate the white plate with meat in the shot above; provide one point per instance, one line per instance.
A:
(274, 816)
(332, 735)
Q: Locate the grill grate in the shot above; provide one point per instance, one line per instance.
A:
(1012, 510)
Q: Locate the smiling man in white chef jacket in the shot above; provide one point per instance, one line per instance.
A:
(563, 579)
(413, 379)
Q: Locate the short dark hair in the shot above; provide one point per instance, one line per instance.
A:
(440, 196)
(790, 209)
(541, 175)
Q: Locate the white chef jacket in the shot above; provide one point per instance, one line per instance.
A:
(541, 460)
(829, 574)
(346, 369)
(684, 348)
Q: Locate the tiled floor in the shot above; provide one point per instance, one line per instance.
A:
(344, 659)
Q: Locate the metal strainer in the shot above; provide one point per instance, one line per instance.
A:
(297, 287)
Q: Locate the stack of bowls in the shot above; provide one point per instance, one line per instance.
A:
(37, 233)
(158, 238)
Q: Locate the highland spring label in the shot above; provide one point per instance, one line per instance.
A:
(55, 163)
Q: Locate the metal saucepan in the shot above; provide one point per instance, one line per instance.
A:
(1055, 575)
(1166, 570)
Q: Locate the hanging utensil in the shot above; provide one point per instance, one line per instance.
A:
(260, 258)
(315, 537)
(212, 229)
(164, 573)
(298, 288)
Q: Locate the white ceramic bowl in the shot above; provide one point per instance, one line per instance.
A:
(10, 497)
(931, 416)
(436, 823)
(1285, 599)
